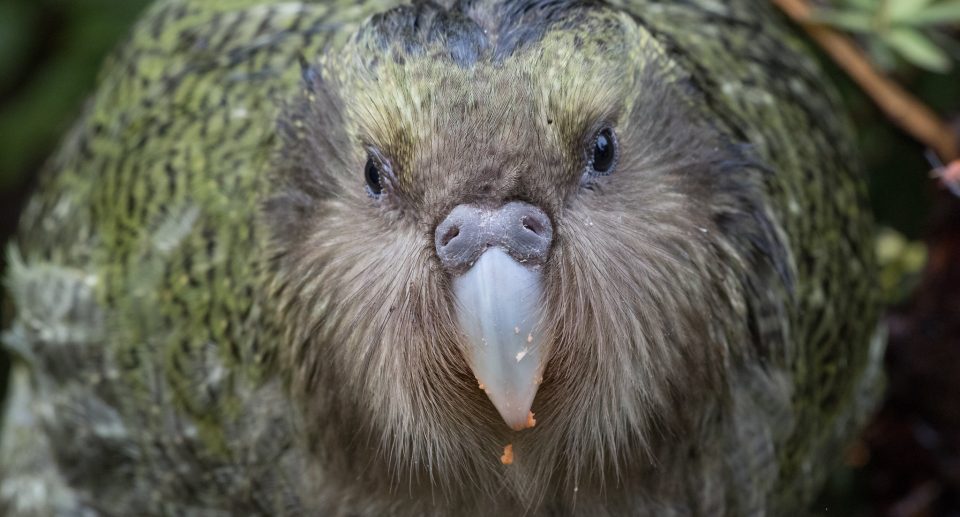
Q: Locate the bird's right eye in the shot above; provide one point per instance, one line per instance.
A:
(371, 172)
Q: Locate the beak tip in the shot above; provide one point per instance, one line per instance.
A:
(517, 416)
(528, 422)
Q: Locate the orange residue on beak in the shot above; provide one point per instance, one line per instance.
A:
(528, 424)
(507, 458)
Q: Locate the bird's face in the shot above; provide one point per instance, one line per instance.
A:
(467, 234)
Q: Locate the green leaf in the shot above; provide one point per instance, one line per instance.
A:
(942, 13)
(897, 9)
(852, 21)
(913, 46)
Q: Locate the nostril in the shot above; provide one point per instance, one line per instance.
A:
(449, 235)
(532, 224)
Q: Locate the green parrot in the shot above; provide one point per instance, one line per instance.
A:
(454, 257)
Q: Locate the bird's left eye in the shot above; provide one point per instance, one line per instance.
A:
(605, 153)
(372, 174)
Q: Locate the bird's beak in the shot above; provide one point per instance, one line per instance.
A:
(499, 303)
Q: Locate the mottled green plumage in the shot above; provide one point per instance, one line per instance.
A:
(150, 338)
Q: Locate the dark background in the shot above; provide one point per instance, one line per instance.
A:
(907, 463)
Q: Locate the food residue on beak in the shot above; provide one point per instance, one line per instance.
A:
(507, 458)
(521, 354)
(528, 424)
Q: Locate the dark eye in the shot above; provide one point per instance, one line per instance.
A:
(372, 174)
(604, 152)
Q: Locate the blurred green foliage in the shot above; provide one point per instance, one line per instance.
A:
(917, 42)
(50, 51)
(893, 30)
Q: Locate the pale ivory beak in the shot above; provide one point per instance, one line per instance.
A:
(498, 307)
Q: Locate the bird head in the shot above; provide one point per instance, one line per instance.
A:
(484, 214)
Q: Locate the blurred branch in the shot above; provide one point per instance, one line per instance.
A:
(905, 110)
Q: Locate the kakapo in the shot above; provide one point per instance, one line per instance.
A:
(449, 258)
